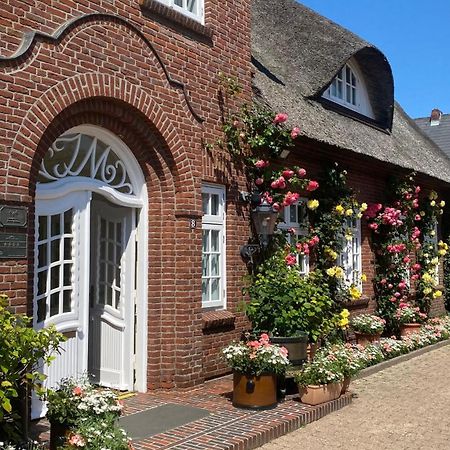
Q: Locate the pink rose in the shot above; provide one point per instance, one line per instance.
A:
(260, 164)
(417, 190)
(383, 281)
(373, 226)
(417, 217)
(415, 203)
(301, 172)
(280, 118)
(275, 184)
(312, 186)
(264, 338)
(295, 132)
(77, 440)
(390, 286)
(276, 207)
(284, 351)
(287, 173)
(259, 181)
(291, 230)
(290, 260)
(77, 390)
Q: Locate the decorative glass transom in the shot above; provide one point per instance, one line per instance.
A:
(81, 155)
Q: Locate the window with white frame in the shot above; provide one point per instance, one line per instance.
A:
(190, 8)
(351, 259)
(213, 247)
(348, 89)
(296, 217)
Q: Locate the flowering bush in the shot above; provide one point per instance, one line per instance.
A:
(256, 356)
(407, 313)
(77, 398)
(323, 369)
(349, 361)
(368, 324)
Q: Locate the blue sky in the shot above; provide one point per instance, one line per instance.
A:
(415, 37)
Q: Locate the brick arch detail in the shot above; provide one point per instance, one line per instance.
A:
(19, 168)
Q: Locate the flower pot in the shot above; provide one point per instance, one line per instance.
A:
(58, 434)
(254, 392)
(345, 385)
(317, 394)
(409, 328)
(365, 338)
(296, 346)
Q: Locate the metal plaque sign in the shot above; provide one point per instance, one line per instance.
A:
(13, 245)
(13, 216)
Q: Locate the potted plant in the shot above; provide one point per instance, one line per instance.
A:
(287, 305)
(409, 318)
(367, 328)
(255, 364)
(320, 380)
(75, 403)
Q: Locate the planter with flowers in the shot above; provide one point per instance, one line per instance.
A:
(256, 365)
(409, 318)
(368, 328)
(79, 413)
(321, 380)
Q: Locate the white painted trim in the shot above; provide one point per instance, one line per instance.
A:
(200, 17)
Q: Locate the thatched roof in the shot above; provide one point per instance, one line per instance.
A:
(439, 132)
(296, 55)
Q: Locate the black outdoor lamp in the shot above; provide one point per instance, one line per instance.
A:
(264, 219)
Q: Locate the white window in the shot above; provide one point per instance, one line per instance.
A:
(350, 258)
(213, 247)
(348, 89)
(190, 8)
(296, 217)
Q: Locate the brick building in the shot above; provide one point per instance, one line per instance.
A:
(118, 223)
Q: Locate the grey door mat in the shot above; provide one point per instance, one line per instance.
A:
(157, 420)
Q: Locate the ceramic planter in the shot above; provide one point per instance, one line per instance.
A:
(296, 346)
(254, 392)
(317, 394)
(365, 338)
(409, 328)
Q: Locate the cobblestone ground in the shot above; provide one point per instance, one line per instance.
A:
(404, 407)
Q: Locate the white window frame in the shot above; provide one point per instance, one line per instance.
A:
(199, 15)
(352, 268)
(216, 222)
(351, 79)
(301, 229)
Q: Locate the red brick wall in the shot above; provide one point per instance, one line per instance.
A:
(139, 73)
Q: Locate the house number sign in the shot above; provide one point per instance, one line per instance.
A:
(13, 245)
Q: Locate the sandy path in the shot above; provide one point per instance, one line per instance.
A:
(404, 407)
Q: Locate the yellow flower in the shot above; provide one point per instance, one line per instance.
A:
(437, 294)
(339, 209)
(348, 234)
(363, 277)
(442, 252)
(435, 261)
(433, 195)
(359, 215)
(343, 323)
(312, 204)
(355, 293)
(432, 233)
(433, 203)
(427, 278)
(442, 204)
(331, 272)
(427, 291)
(339, 272)
(363, 207)
(330, 253)
(345, 314)
(422, 213)
(349, 212)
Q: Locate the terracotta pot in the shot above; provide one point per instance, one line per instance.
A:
(365, 338)
(254, 392)
(316, 394)
(296, 346)
(409, 328)
(345, 385)
(58, 433)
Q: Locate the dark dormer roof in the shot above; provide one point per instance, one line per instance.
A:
(439, 133)
(296, 55)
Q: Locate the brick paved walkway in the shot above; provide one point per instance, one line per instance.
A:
(404, 407)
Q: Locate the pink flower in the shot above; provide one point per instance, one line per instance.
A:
(416, 267)
(390, 286)
(397, 294)
(393, 299)
(266, 197)
(312, 186)
(284, 351)
(402, 285)
(417, 217)
(261, 164)
(291, 230)
(264, 338)
(290, 259)
(306, 248)
(287, 173)
(254, 344)
(280, 118)
(301, 172)
(372, 210)
(415, 277)
(290, 198)
(276, 207)
(315, 239)
(373, 226)
(77, 390)
(417, 190)
(295, 132)
(77, 440)
(408, 196)
(383, 281)
(415, 203)
(259, 181)
(274, 184)
(406, 259)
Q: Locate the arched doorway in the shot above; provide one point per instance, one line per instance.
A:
(90, 258)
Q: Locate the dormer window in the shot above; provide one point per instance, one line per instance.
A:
(190, 8)
(348, 90)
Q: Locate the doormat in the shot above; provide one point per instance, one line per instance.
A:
(160, 419)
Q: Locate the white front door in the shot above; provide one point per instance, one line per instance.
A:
(62, 265)
(112, 294)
